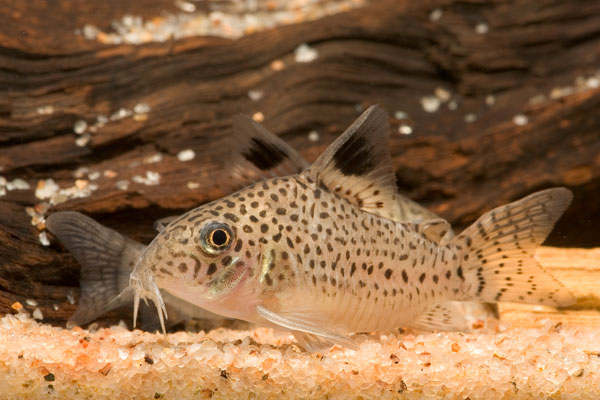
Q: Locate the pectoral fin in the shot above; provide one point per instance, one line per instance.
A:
(317, 344)
(311, 329)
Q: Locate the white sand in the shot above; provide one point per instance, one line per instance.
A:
(551, 360)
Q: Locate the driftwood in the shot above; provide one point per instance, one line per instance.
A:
(388, 52)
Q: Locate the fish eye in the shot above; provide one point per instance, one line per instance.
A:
(216, 237)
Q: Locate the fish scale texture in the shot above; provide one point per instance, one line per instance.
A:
(40, 361)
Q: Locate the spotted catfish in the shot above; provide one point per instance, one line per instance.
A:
(107, 258)
(317, 254)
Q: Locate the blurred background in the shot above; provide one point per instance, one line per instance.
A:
(122, 110)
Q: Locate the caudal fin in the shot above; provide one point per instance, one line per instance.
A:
(106, 258)
(496, 252)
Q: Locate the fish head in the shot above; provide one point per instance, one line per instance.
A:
(206, 257)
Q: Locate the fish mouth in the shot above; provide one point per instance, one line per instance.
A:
(144, 287)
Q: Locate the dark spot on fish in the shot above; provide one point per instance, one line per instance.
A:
(238, 245)
(264, 228)
(388, 273)
(226, 260)
(268, 279)
(404, 276)
(212, 268)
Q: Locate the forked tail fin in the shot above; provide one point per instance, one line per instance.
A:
(106, 258)
(496, 252)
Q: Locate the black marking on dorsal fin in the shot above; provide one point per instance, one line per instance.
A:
(358, 166)
(364, 146)
(354, 157)
(259, 154)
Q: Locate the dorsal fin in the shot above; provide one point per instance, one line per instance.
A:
(258, 154)
(358, 165)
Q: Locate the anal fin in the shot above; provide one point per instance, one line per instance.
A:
(445, 316)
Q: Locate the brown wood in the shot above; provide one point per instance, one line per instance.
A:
(388, 52)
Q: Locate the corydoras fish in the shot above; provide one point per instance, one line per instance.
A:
(107, 258)
(317, 254)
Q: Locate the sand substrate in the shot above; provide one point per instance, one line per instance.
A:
(551, 360)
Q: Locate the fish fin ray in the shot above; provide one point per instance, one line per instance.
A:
(259, 154)
(445, 316)
(358, 165)
(106, 259)
(474, 310)
(311, 324)
(314, 343)
(496, 253)
(411, 211)
(436, 230)
(161, 224)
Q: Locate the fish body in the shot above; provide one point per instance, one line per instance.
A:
(322, 254)
(107, 258)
